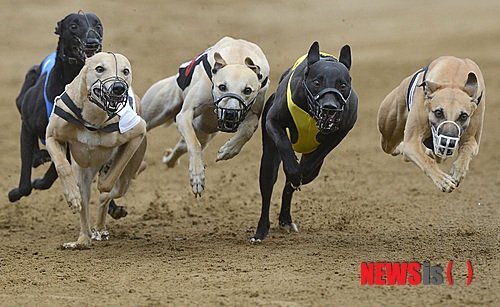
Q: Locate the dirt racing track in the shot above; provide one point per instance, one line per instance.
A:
(365, 206)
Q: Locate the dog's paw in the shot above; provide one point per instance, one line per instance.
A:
(83, 242)
(227, 152)
(289, 228)
(398, 150)
(197, 178)
(168, 158)
(254, 240)
(74, 203)
(458, 174)
(446, 183)
(16, 193)
(100, 235)
(116, 211)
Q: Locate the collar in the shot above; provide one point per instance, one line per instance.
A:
(79, 120)
(413, 85)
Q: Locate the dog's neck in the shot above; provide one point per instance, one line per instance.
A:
(67, 67)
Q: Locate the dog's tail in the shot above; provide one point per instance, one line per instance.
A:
(31, 77)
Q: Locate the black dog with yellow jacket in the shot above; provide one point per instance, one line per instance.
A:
(311, 112)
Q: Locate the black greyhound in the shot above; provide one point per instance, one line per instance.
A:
(80, 36)
(312, 110)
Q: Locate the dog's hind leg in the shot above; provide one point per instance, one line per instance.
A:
(119, 189)
(100, 232)
(172, 155)
(391, 122)
(47, 180)
(27, 144)
(29, 80)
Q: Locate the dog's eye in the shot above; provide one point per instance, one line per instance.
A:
(247, 91)
(99, 69)
(463, 117)
(126, 71)
(222, 87)
(438, 113)
(73, 27)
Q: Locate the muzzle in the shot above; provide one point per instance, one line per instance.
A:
(92, 43)
(110, 94)
(327, 117)
(89, 46)
(229, 119)
(444, 146)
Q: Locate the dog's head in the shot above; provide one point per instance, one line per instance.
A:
(80, 37)
(449, 112)
(235, 88)
(327, 85)
(107, 77)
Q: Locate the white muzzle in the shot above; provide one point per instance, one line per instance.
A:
(444, 146)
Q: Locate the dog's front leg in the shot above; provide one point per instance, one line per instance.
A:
(413, 151)
(290, 163)
(125, 152)
(465, 154)
(234, 145)
(245, 131)
(196, 166)
(57, 152)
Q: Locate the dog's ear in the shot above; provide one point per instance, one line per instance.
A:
(219, 63)
(471, 86)
(345, 56)
(252, 66)
(429, 87)
(57, 30)
(313, 54)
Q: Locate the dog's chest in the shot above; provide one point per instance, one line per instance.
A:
(91, 149)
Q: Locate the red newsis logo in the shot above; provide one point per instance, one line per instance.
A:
(408, 273)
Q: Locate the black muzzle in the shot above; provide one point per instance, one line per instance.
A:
(229, 119)
(89, 46)
(110, 94)
(327, 116)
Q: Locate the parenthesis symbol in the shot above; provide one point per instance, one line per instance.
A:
(448, 273)
(470, 272)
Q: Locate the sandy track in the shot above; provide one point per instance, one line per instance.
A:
(364, 206)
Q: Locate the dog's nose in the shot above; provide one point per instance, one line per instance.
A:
(92, 41)
(118, 88)
(331, 106)
(230, 115)
(449, 129)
